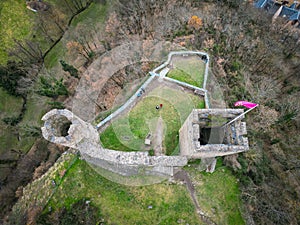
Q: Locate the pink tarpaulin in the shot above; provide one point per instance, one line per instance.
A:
(248, 105)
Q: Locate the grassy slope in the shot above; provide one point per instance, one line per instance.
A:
(120, 204)
(16, 22)
(128, 133)
(218, 194)
(95, 15)
(11, 106)
(189, 70)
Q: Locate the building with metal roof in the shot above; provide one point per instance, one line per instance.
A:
(284, 8)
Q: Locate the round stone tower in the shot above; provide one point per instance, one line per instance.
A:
(63, 127)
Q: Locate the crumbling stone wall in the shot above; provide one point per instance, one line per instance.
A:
(84, 137)
(189, 134)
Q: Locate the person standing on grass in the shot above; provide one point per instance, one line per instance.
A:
(160, 105)
(157, 107)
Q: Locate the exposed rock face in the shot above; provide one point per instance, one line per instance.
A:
(231, 160)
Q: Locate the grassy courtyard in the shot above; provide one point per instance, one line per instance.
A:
(128, 132)
(189, 70)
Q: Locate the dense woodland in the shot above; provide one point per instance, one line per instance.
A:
(253, 59)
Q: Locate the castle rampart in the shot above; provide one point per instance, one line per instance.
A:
(84, 137)
(203, 135)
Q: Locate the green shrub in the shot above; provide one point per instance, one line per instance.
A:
(235, 66)
(10, 75)
(56, 105)
(52, 87)
(12, 121)
(69, 68)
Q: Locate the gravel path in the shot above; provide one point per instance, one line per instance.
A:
(158, 138)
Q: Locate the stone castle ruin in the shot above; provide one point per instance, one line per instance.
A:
(63, 127)
(204, 135)
(200, 137)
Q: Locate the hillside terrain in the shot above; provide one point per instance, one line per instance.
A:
(252, 58)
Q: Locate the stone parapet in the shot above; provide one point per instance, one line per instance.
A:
(84, 137)
(233, 137)
(225, 113)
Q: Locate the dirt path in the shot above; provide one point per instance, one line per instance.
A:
(184, 176)
(158, 137)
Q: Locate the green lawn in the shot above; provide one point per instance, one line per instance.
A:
(16, 22)
(128, 132)
(190, 70)
(218, 194)
(119, 204)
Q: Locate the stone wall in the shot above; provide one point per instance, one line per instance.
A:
(78, 132)
(185, 137)
(84, 137)
(189, 134)
(130, 163)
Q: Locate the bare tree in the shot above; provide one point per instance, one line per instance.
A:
(76, 6)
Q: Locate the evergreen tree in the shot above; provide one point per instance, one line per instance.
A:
(69, 68)
(9, 77)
